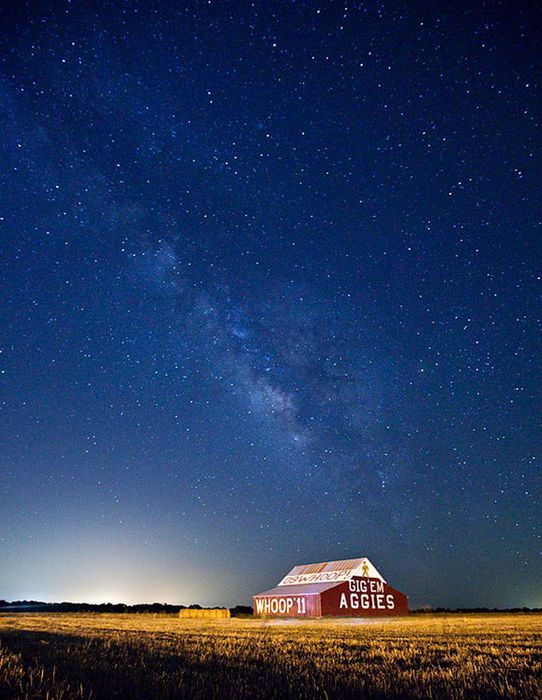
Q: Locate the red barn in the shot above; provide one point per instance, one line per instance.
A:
(349, 588)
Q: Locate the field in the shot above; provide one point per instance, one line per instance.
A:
(144, 656)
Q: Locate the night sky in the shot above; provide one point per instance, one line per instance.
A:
(270, 295)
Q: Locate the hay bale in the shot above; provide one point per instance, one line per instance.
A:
(204, 613)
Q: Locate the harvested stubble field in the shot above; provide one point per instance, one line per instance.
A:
(145, 656)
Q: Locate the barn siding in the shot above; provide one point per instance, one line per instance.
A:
(302, 605)
(364, 597)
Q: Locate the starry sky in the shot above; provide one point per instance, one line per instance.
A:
(270, 295)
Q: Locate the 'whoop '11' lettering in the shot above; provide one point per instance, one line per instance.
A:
(283, 605)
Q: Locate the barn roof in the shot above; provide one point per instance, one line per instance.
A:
(330, 572)
(305, 589)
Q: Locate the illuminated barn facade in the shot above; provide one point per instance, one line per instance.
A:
(348, 588)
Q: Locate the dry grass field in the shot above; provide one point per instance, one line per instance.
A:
(96, 656)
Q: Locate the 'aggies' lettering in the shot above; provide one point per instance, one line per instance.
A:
(367, 601)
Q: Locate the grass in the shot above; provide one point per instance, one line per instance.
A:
(61, 656)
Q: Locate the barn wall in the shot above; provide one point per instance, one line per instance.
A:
(363, 597)
(302, 605)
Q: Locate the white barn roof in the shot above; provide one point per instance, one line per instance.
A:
(302, 589)
(330, 572)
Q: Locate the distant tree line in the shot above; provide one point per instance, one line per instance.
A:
(40, 606)
(237, 611)
(428, 610)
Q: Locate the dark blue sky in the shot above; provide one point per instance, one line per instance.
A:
(270, 295)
